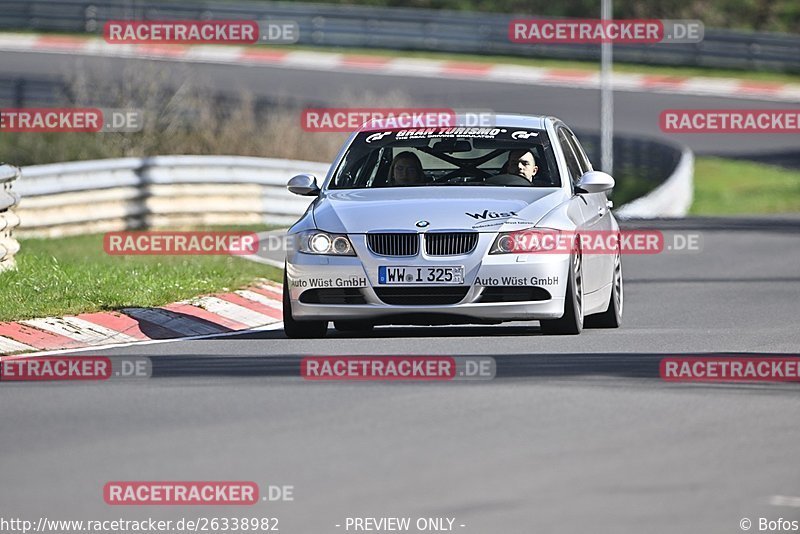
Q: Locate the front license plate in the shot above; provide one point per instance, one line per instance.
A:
(420, 275)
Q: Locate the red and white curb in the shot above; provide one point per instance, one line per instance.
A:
(256, 307)
(413, 67)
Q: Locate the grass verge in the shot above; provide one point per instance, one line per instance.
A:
(734, 187)
(73, 275)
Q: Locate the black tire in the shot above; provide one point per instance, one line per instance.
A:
(612, 317)
(571, 322)
(299, 329)
(353, 326)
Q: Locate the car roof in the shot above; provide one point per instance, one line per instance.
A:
(536, 122)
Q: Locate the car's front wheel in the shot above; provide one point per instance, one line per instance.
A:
(299, 329)
(612, 317)
(572, 320)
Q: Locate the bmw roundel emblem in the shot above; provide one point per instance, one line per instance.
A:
(422, 224)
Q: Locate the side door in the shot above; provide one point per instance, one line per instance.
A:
(593, 218)
(607, 225)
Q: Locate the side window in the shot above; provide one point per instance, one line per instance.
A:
(569, 155)
(584, 162)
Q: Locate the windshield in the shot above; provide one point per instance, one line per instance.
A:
(500, 157)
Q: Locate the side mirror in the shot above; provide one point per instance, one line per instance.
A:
(304, 185)
(594, 182)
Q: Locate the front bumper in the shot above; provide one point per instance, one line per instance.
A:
(484, 274)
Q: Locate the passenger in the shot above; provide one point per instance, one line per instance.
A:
(522, 163)
(406, 169)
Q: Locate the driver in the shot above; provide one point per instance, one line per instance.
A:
(406, 169)
(522, 163)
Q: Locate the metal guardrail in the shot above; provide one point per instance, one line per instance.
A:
(650, 162)
(8, 217)
(17, 92)
(406, 29)
(655, 177)
(183, 191)
(176, 191)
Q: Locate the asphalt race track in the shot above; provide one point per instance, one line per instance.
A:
(575, 434)
(636, 113)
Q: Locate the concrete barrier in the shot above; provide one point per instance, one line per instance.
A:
(672, 198)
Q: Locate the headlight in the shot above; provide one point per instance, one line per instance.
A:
(530, 241)
(318, 242)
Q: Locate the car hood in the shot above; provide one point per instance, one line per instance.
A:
(476, 208)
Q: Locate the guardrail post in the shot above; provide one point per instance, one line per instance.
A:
(19, 93)
(8, 217)
(90, 19)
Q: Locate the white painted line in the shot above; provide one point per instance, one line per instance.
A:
(78, 329)
(274, 326)
(789, 92)
(173, 321)
(102, 48)
(269, 284)
(212, 54)
(232, 311)
(312, 60)
(783, 500)
(416, 67)
(711, 86)
(259, 298)
(17, 41)
(590, 79)
(516, 73)
(8, 345)
(628, 81)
